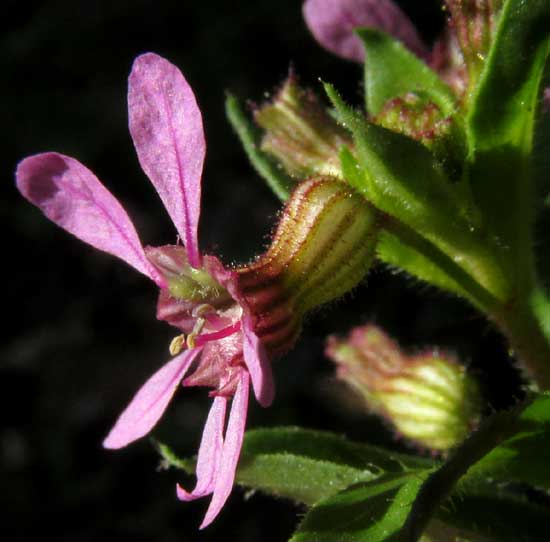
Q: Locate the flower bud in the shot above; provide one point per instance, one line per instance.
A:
(472, 23)
(323, 246)
(414, 117)
(300, 133)
(429, 398)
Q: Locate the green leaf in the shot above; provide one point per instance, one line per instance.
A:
(397, 507)
(442, 481)
(301, 479)
(370, 511)
(310, 465)
(500, 129)
(406, 257)
(250, 136)
(351, 170)
(326, 446)
(523, 457)
(506, 100)
(391, 70)
(401, 178)
(306, 465)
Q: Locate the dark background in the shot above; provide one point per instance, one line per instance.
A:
(79, 334)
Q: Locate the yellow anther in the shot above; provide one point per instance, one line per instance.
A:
(177, 345)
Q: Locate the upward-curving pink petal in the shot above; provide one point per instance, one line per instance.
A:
(258, 364)
(70, 195)
(150, 402)
(231, 450)
(210, 452)
(332, 22)
(166, 126)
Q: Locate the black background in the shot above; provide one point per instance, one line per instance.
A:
(78, 330)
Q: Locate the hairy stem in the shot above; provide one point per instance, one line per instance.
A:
(439, 485)
(517, 319)
(530, 346)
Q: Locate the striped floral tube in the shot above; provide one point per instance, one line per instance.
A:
(323, 246)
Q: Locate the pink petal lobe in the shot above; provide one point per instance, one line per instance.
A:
(234, 435)
(332, 22)
(210, 451)
(258, 364)
(150, 402)
(70, 195)
(166, 126)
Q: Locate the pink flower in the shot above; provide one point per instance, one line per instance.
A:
(223, 349)
(333, 22)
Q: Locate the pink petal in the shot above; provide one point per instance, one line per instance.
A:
(210, 452)
(258, 364)
(332, 22)
(150, 402)
(231, 451)
(177, 312)
(166, 126)
(70, 195)
(212, 368)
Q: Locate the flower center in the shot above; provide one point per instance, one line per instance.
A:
(206, 317)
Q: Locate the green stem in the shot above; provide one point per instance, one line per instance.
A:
(440, 484)
(520, 325)
(475, 292)
(516, 319)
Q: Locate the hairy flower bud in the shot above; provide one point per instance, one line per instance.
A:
(412, 116)
(472, 24)
(323, 246)
(300, 133)
(429, 398)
